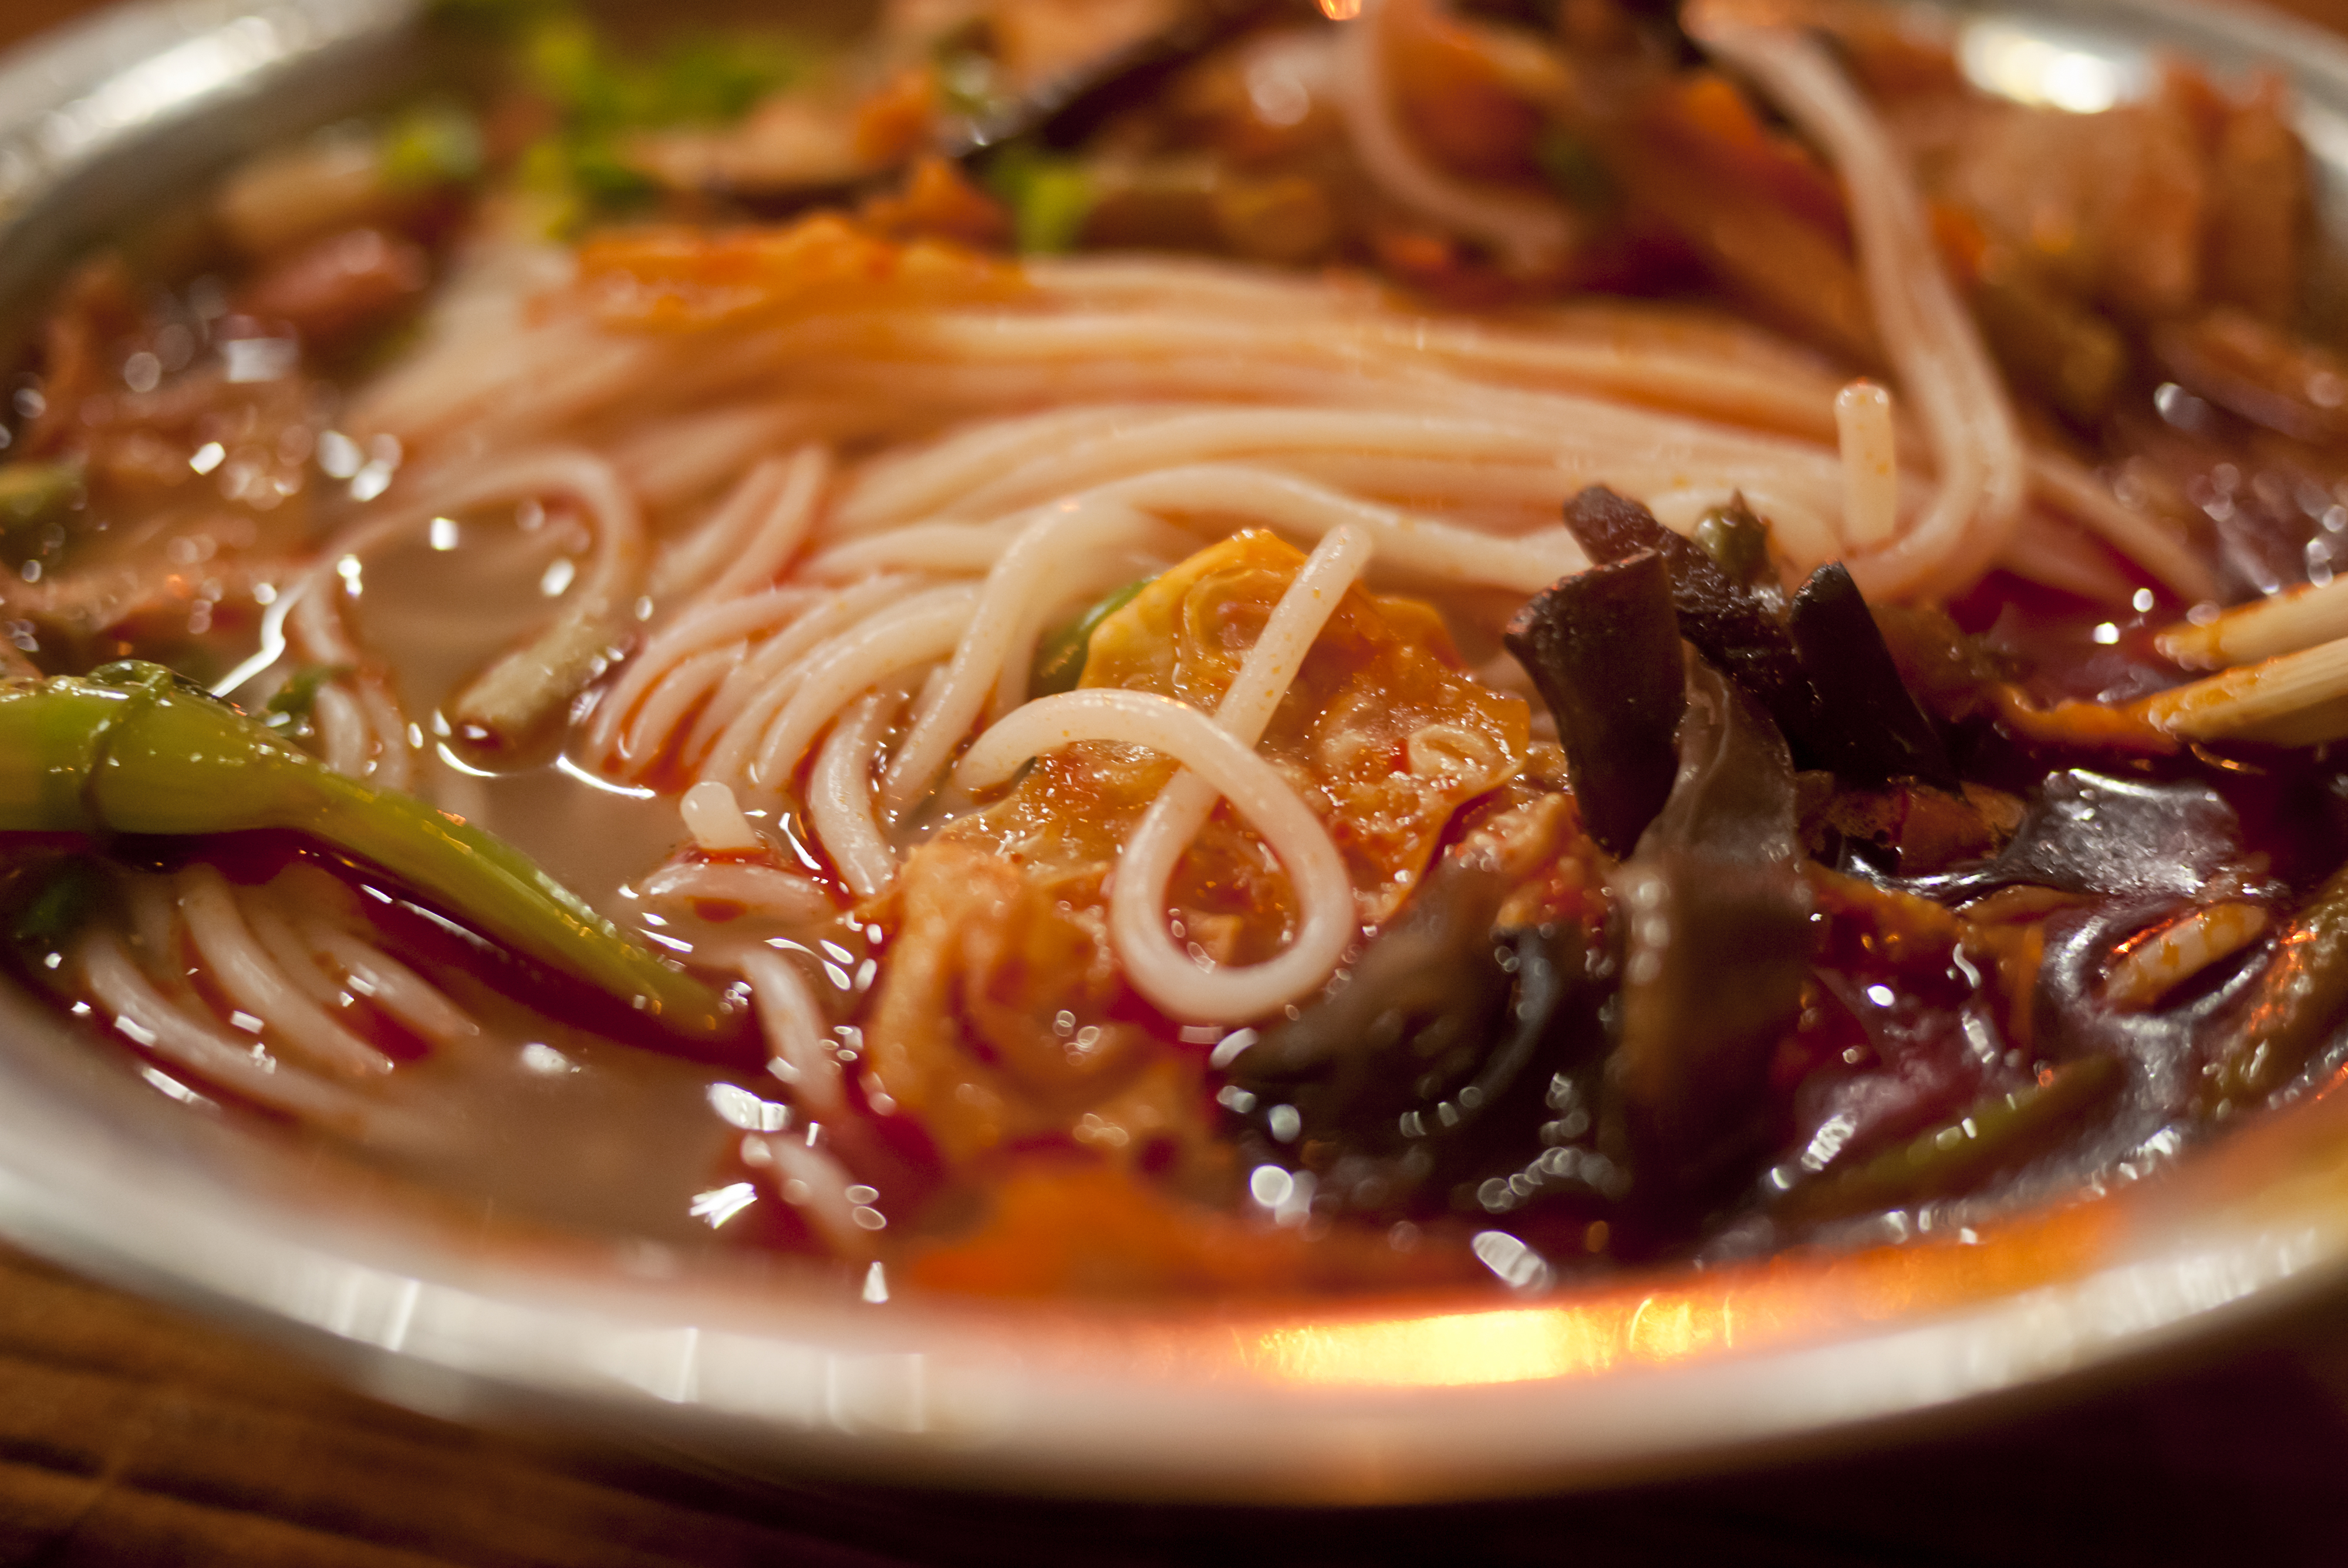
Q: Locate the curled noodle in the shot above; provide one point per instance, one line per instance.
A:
(1944, 369)
(1230, 768)
(1528, 232)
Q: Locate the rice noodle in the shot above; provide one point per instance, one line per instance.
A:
(1944, 370)
(280, 971)
(1004, 619)
(676, 460)
(963, 548)
(517, 691)
(344, 736)
(144, 1016)
(293, 955)
(1573, 436)
(787, 1015)
(761, 670)
(394, 987)
(2158, 549)
(780, 527)
(685, 687)
(1256, 792)
(715, 821)
(1530, 232)
(764, 890)
(763, 746)
(900, 485)
(725, 627)
(1870, 466)
(839, 794)
(690, 562)
(246, 971)
(1137, 903)
(1310, 511)
(1077, 586)
(813, 1181)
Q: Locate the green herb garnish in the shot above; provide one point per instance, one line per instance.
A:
(1049, 197)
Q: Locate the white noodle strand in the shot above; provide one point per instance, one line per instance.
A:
(804, 699)
(1870, 465)
(1256, 792)
(1003, 619)
(147, 1016)
(1146, 866)
(1944, 369)
(1528, 232)
(840, 796)
(797, 1049)
(781, 527)
(217, 928)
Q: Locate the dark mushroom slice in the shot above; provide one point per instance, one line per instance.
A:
(1063, 112)
(2084, 832)
(1822, 670)
(1603, 646)
(1874, 728)
(1434, 1066)
(1716, 941)
(1732, 625)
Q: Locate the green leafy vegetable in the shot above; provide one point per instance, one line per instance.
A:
(1060, 659)
(431, 145)
(132, 748)
(604, 94)
(2002, 1131)
(289, 710)
(56, 899)
(1049, 197)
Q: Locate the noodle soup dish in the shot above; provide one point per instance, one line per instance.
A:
(1176, 649)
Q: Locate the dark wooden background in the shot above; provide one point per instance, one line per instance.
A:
(130, 1434)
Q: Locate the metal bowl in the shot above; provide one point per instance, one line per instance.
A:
(758, 1371)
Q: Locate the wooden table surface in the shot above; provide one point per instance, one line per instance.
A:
(133, 1434)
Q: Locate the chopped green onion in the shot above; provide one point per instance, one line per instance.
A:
(429, 146)
(289, 708)
(1050, 197)
(2003, 1129)
(604, 97)
(133, 748)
